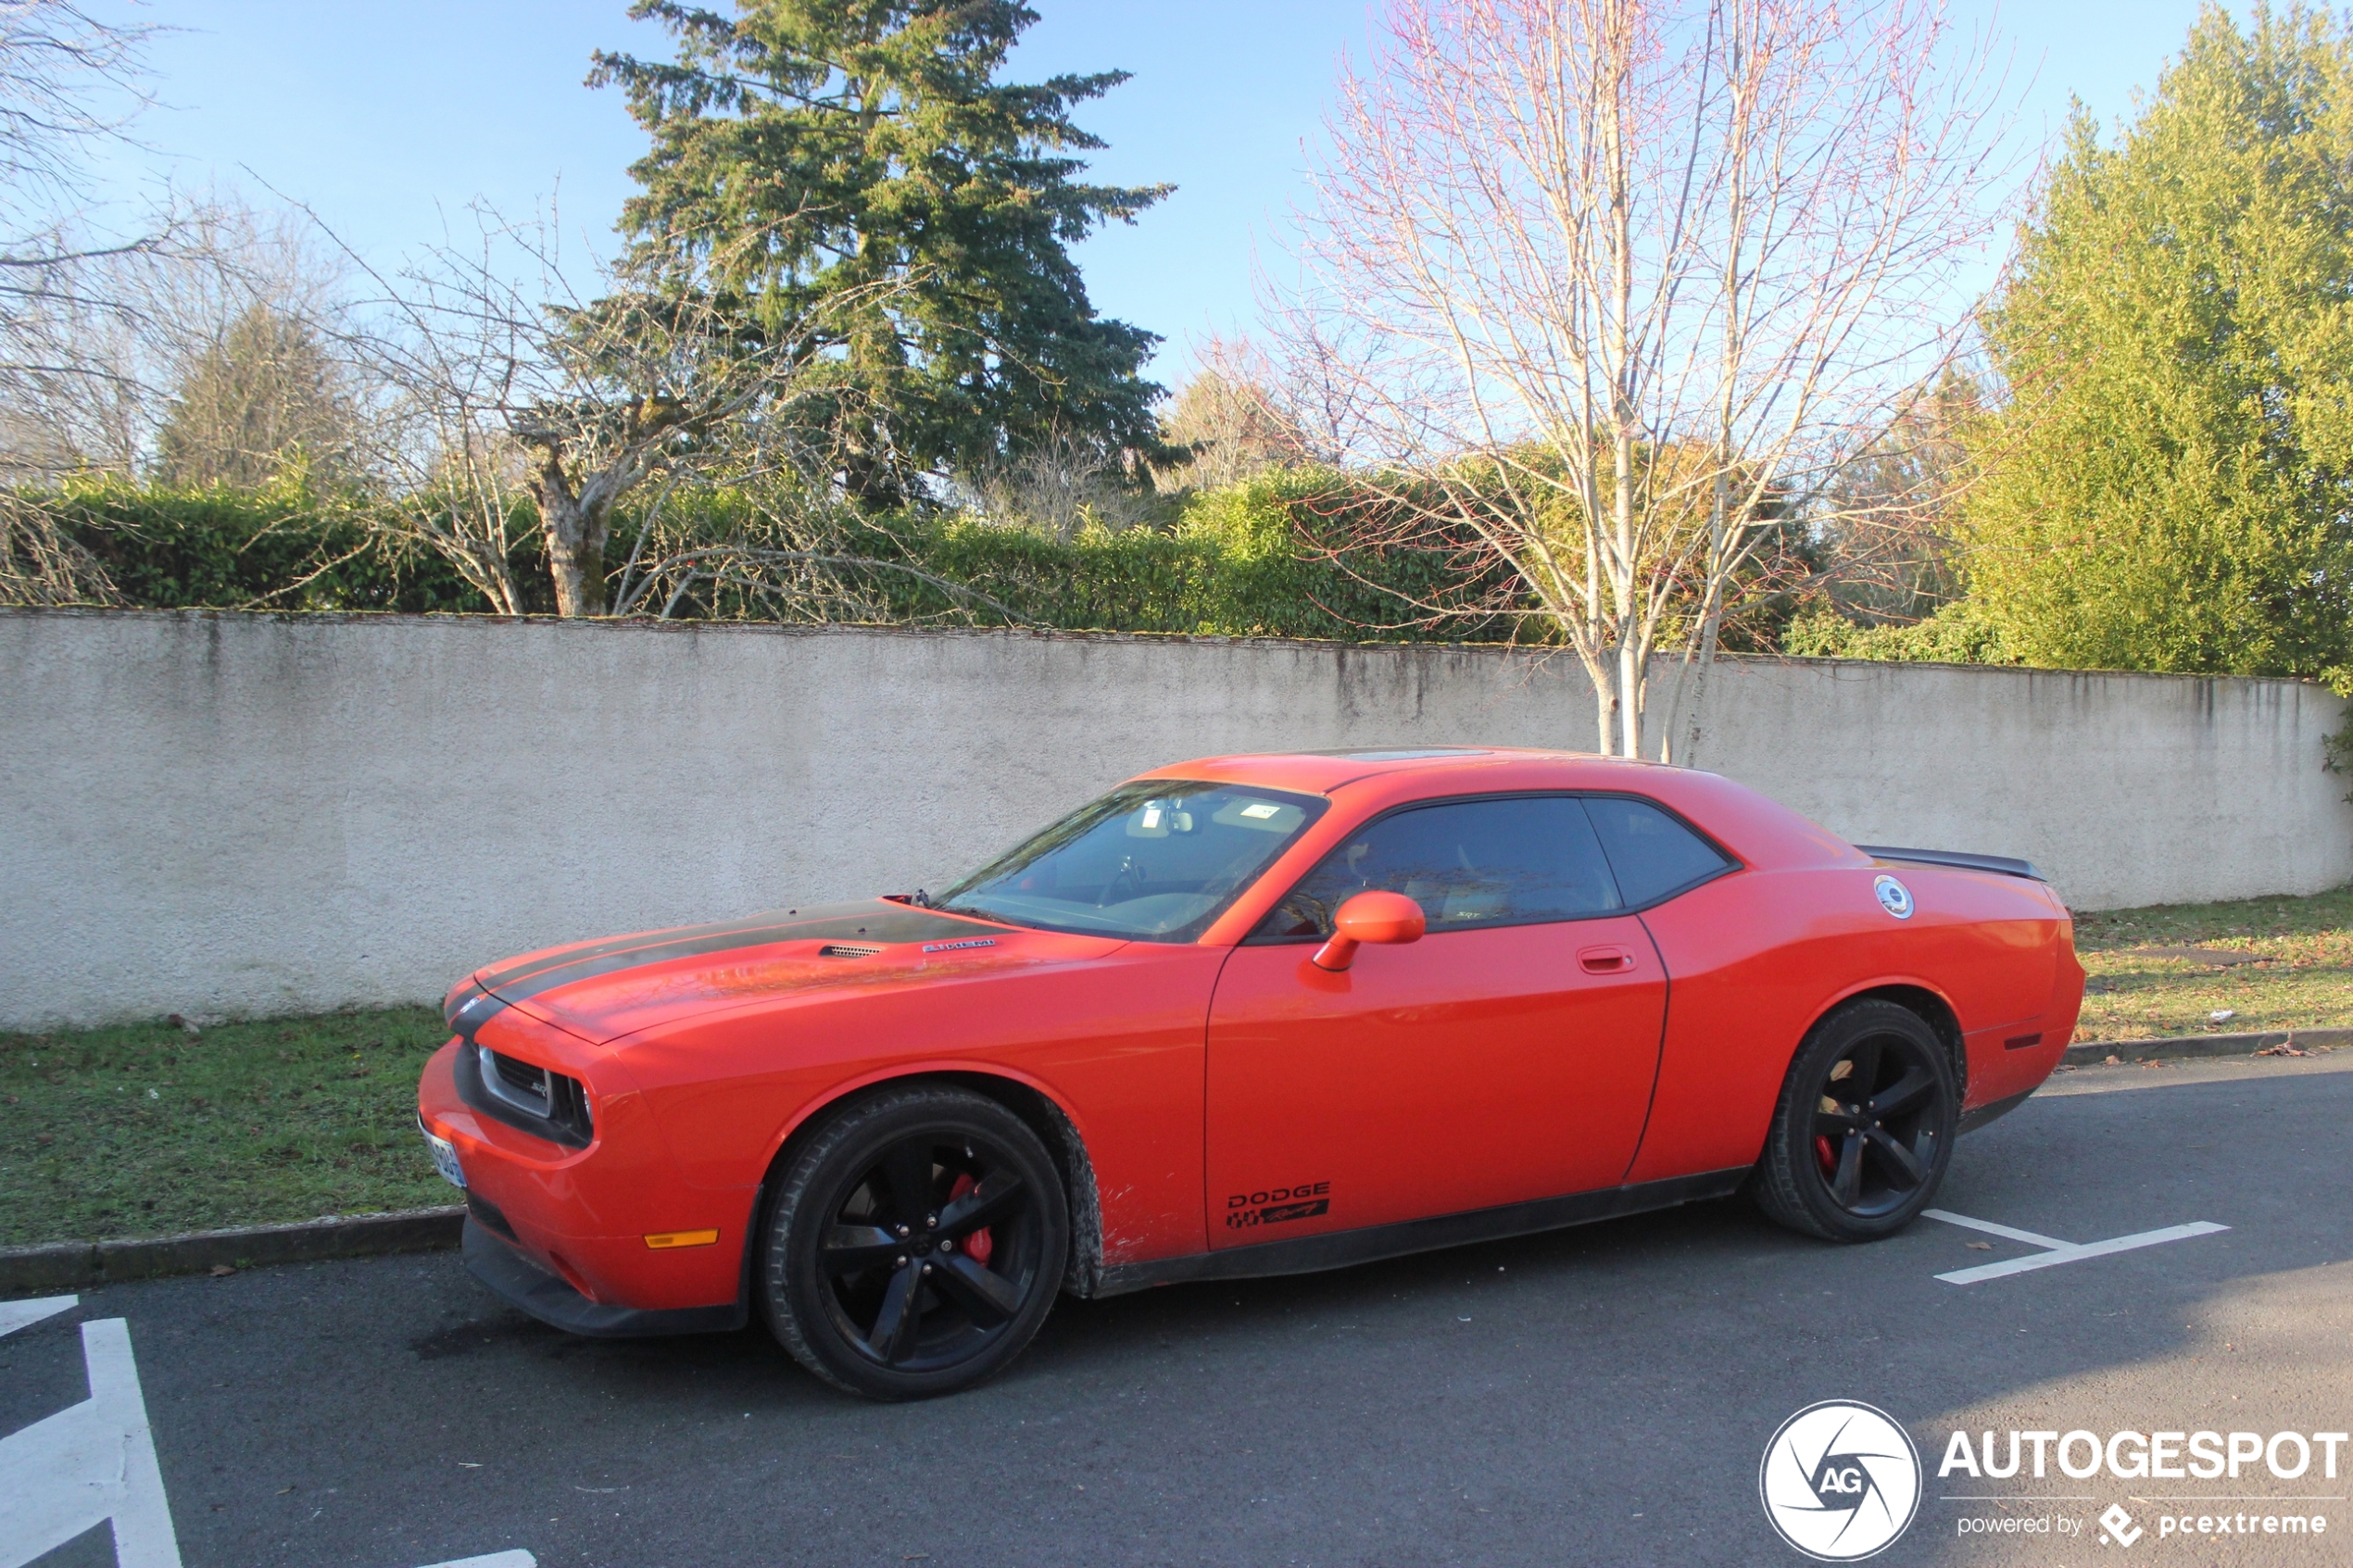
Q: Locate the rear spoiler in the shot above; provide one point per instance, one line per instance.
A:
(2002, 864)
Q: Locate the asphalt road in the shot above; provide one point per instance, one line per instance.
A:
(1598, 1396)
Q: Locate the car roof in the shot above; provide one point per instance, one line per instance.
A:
(1757, 830)
(1320, 773)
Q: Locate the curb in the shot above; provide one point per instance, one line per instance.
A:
(2095, 1053)
(70, 1263)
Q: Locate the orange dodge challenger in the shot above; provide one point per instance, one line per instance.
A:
(1249, 1015)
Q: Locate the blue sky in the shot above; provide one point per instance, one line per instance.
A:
(388, 117)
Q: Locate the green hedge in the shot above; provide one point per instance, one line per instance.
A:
(277, 547)
(1954, 634)
(1253, 560)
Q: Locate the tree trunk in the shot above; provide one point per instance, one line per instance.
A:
(1711, 630)
(575, 545)
(1631, 675)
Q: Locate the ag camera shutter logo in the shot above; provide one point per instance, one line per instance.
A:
(1840, 1481)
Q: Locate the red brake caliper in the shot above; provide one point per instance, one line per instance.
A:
(980, 1244)
(1823, 1152)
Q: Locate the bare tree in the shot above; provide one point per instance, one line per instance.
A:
(67, 80)
(1885, 534)
(1614, 286)
(1061, 485)
(508, 407)
(201, 358)
(78, 390)
(220, 327)
(1234, 417)
(505, 407)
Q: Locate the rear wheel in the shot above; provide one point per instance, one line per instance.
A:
(1864, 1128)
(915, 1245)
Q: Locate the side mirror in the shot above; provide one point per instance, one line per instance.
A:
(1370, 916)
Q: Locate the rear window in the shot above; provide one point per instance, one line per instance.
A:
(1654, 854)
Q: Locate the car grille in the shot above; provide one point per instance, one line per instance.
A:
(522, 1076)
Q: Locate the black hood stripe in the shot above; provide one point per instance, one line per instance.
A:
(877, 919)
(745, 931)
(468, 1008)
(640, 949)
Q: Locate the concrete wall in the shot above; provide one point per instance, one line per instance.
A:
(229, 814)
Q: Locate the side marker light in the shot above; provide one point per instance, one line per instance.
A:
(661, 1240)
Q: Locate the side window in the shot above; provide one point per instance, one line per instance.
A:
(1652, 854)
(1468, 863)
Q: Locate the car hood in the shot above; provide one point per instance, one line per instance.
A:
(604, 990)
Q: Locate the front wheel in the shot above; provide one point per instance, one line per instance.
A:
(915, 1245)
(1864, 1128)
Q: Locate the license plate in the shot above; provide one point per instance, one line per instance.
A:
(445, 1160)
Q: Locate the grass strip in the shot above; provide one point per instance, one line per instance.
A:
(2263, 963)
(146, 1130)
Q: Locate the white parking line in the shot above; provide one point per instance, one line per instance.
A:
(15, 1315)
(2055, 1251)
(89, 1464)
(1990, 1228)
(95, 1462)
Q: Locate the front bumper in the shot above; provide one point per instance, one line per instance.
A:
(522, 1284)
(576, 1219)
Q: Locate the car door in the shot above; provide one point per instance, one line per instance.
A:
(1507, 1055)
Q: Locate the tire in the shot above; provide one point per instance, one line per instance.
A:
(1864, 1127)
(958, 1187)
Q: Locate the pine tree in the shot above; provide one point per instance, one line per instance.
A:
(862, 151)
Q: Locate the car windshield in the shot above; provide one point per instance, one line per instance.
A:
(1156, 860)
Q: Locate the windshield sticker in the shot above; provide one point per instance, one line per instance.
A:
(1259, 816)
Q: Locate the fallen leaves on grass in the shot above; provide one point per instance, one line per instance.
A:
(2262, 965)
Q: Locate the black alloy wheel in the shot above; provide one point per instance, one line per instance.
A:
(1864, 1127)
(915, 1245)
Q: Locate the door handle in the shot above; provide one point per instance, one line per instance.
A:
(1606, 960)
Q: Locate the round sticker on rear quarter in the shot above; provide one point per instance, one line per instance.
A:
(1893, 897)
